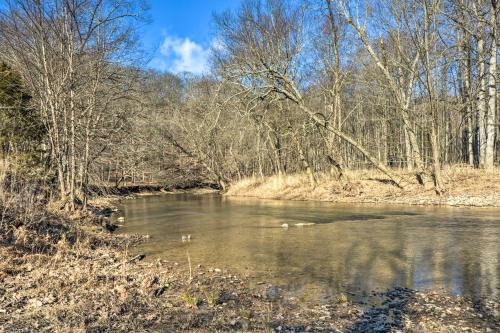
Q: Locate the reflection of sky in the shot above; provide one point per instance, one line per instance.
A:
(457, 281)
(354, 248)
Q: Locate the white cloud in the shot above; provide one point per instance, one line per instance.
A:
(217, 44)
(182, 55)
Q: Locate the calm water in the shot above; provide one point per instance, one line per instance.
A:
(351, 248)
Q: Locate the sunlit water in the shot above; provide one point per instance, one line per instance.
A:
(351, 248)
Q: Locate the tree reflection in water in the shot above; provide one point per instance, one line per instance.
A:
(351, 248)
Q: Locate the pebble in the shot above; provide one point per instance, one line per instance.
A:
(244, 324)
(272, 292)
(35, 303)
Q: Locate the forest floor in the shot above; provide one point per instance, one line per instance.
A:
(63, 273)
(464, 187)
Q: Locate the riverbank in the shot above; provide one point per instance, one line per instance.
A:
(132, 190)
(62, 275)
(464, 187)
(108, 198)
(100, 289)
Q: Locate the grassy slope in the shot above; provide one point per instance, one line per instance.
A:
(465, 186)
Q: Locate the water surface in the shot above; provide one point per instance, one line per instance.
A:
(351, 248)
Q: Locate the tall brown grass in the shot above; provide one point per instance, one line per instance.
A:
(370, 185)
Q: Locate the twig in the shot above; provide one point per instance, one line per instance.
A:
(137, 257)
(190, 268)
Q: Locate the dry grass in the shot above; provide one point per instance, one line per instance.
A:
(75, 290)
(92, 285)
(83, 288)
(57, 277)
(24, 221)
(464, 186)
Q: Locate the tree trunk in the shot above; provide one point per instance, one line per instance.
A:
(303, 159)
(466, 84)
(492, 91)
(481, 101)
(434, 136)
(379, 165)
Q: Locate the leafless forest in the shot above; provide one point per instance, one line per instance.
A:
(302, 86)
(345, 101)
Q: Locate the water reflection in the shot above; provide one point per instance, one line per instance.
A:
(351, 248)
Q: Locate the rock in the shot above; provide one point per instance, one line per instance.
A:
(49, 299)
(218, 270)
(158, 292)
(284, 225)
(304, 224)
(154, 280)
(107, 212)
(272, 293)
(139, 257)
(244, 324)
(110, 227)
(35, 303)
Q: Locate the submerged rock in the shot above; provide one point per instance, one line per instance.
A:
(272, 293)
(107, 212)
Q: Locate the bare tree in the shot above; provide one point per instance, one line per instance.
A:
(492, 87)
(263, 50)
(67, 52)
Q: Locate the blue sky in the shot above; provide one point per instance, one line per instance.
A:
(181, 33)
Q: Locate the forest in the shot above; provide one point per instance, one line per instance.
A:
(339, 101)
(295, 87)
